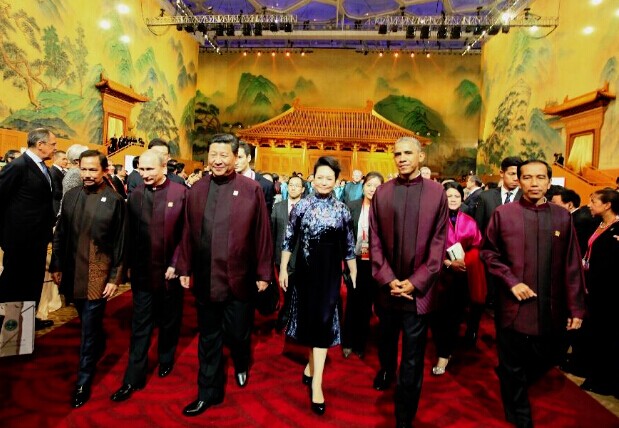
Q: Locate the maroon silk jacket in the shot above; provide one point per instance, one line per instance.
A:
(504, 255)
(250, 247)
(153, 241)
(429, 248)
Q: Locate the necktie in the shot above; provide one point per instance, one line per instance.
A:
(46, 172)
(508, 198)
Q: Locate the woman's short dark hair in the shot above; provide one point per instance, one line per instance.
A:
(225, 139)
(95, 154)
(329, 161)
(607, 195)
(373, 174)
(454, 185)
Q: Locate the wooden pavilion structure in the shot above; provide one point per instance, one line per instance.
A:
(293, 141)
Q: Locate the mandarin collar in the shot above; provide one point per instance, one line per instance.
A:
(416, 180)
(224, 179)
(531, 206)
(162, 186)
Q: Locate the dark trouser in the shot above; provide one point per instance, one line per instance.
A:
(445, 322)
(359, 301)
(414, 338)
(24, 272)
(164, 307)
(92, 345)
(522, 360)
(218, 322)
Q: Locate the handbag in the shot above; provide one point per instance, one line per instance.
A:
(267, 301)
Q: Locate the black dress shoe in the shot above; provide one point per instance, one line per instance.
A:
(241, 379)
(125, 392)
(165, 369)
(307, 380)
(383, 380)
(40, 324)
(402, 424)
(199, 406)
(80, 396)
(470, 338)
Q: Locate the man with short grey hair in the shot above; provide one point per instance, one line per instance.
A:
(72, 178)
(353, 190)
(26, 220)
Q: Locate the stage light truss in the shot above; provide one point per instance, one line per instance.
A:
(221, 19)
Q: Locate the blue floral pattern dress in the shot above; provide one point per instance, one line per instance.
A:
(324, 226)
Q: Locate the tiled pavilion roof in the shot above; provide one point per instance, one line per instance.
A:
(330, 126)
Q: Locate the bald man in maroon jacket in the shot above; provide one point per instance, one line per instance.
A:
(408, 228)
(228, 248)
(532, 250)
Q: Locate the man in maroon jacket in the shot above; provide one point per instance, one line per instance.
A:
(408, 227)
(156, 211)
(532, 250)
(228, 248)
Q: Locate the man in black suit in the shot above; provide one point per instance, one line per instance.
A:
(473, 185)
(488, 201)
(585, 224)
(242, 167)
(134, 179)
(279, 222)
(57, 172)
(26, 220)
(508, 192)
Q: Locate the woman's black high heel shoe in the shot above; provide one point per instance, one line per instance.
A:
(318, 408)
(307, 380)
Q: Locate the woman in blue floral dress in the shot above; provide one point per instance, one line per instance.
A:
(324, 226)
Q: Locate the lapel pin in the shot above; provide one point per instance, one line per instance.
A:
(557, 233)
(103, 199)
(170, 204)
(235, 193)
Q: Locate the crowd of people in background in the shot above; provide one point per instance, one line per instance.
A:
(420, 253)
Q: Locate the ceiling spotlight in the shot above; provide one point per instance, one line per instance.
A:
(202, 27)
(273, 53)
(189, 28)
(396, 54)
(259, 53)
(287, 53)
(479, 30)
(288, 27)
(494, 30)
(425, 32)
(258, 29)
(106, 25)
(244, 53)
(179, 27)
(230, 30)
(273, 27)
(455, 32)
(302, 53)
(442, 32)
(246, 29)
(394, 28)
(382, 29)
(219, 30)
(588, 30)
(428, 55)
(122, 8)
(412, 54)
(125, 39)
(380, 54)
(410, 31)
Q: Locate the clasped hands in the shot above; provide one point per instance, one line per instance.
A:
(402, 289)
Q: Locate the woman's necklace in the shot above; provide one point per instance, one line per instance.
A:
(604, 225)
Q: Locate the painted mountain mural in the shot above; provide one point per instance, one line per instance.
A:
(610, 128)
(411, 113)
(257, 100)
(200, 120)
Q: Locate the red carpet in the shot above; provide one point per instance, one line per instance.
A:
(35, 390)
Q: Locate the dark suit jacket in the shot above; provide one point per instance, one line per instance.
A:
(429, 248)
(504, 255)
(57, 177)
(469, 205)
(26, 212)
(488, 201)
(134, 179)
(355, 212)
(119, 186)
(279, 222)
(268, 189)
(585, 224)
(250, 249)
